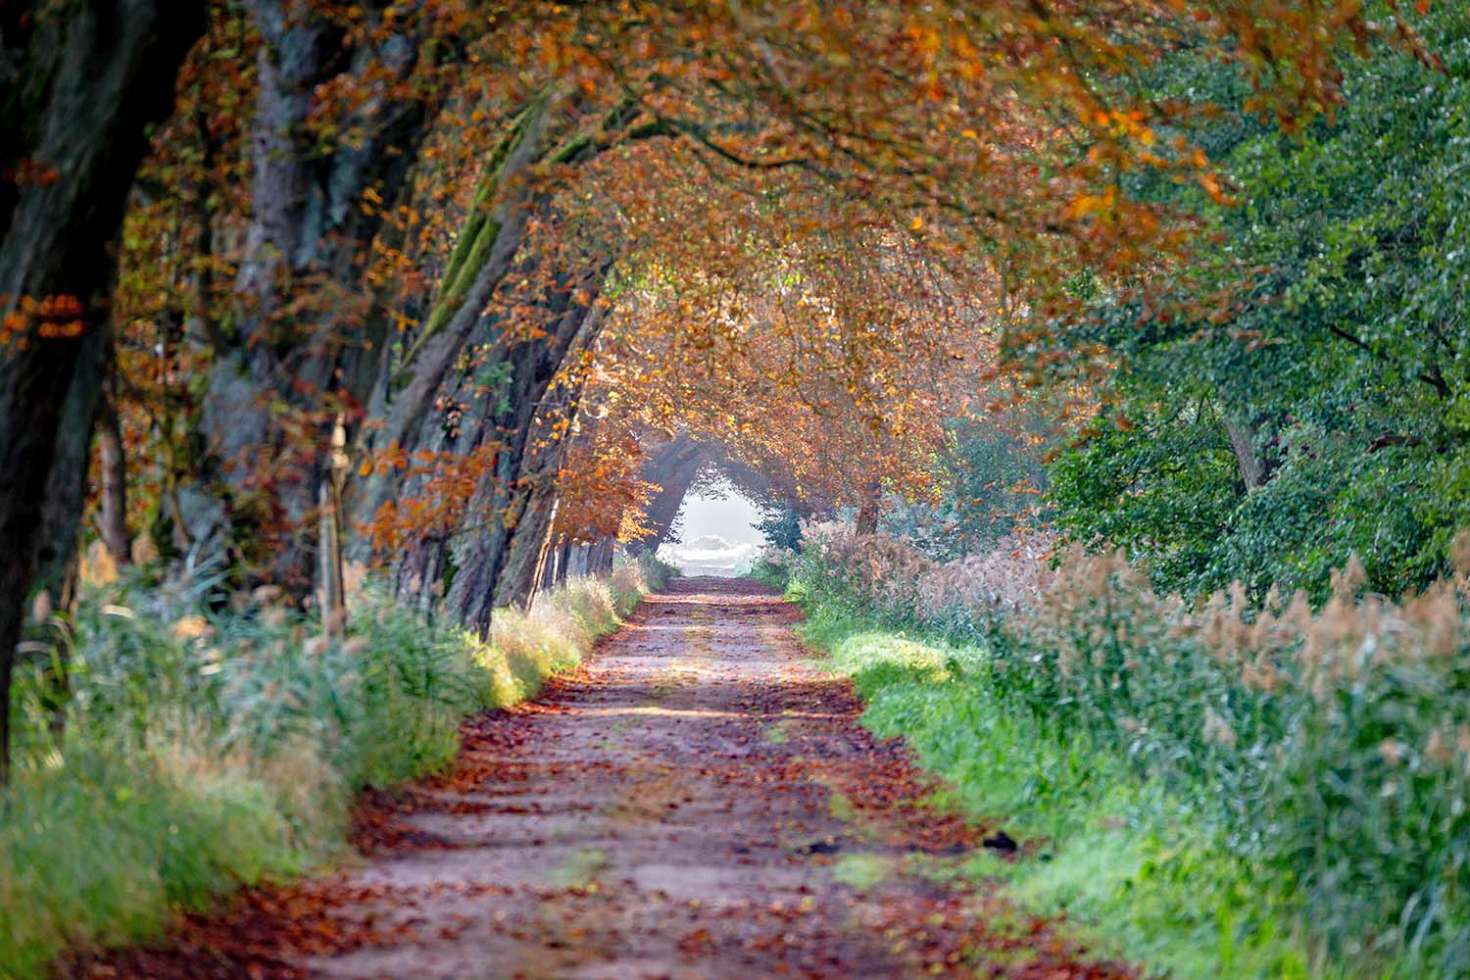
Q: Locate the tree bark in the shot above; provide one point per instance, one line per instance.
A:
(484, 254)
(600, 557)
(56, 559)
(530, 544)
(113, 518)
(870, 508)
(513, 504)
(1243, 443)
(266, 422)
(66, 485)
(563, 563)
(418, 574)
(79, 82)
(400, 413)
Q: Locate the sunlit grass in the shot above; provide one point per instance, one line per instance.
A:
(862, 871)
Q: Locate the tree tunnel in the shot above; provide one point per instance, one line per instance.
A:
(687, 464)
(410, 284)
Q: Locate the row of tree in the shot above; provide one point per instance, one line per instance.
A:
(429, 280)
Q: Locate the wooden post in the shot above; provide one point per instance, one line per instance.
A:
(330, 592)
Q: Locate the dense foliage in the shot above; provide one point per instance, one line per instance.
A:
(1324, 416)
(990, 483)
(471, 292)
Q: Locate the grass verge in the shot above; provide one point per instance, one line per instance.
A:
(205, 750)
(1123, 860)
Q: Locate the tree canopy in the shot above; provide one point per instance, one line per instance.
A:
(437, 285)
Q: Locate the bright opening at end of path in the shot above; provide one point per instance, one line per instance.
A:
(715, 533)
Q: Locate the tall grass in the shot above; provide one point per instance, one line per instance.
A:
(204, 749)
(1316, 760)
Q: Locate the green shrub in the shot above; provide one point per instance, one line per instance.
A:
(772, 567)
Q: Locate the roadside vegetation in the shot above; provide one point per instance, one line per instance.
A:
(210, 740)
(1226, 789)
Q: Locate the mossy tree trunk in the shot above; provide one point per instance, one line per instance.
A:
(277, 381)
(496, 556)
(399, 414)
(510, 517)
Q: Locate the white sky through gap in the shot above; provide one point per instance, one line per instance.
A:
(717, 535)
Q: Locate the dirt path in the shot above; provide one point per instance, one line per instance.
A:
(699, 801)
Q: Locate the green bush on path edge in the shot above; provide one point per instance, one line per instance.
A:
(202, 752)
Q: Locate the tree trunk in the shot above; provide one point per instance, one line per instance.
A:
(530, 543)
(1243, 443)
(266, 419)
(486, 252)
(417, 577)
(519, 489)
(577, 560)
(79, 83)
(483, 255)
(66, 486)
(56, 559)
(546, 580)
(563, 563)
(113, 518)
(870, 508)
(674, 468)
(600, 557)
